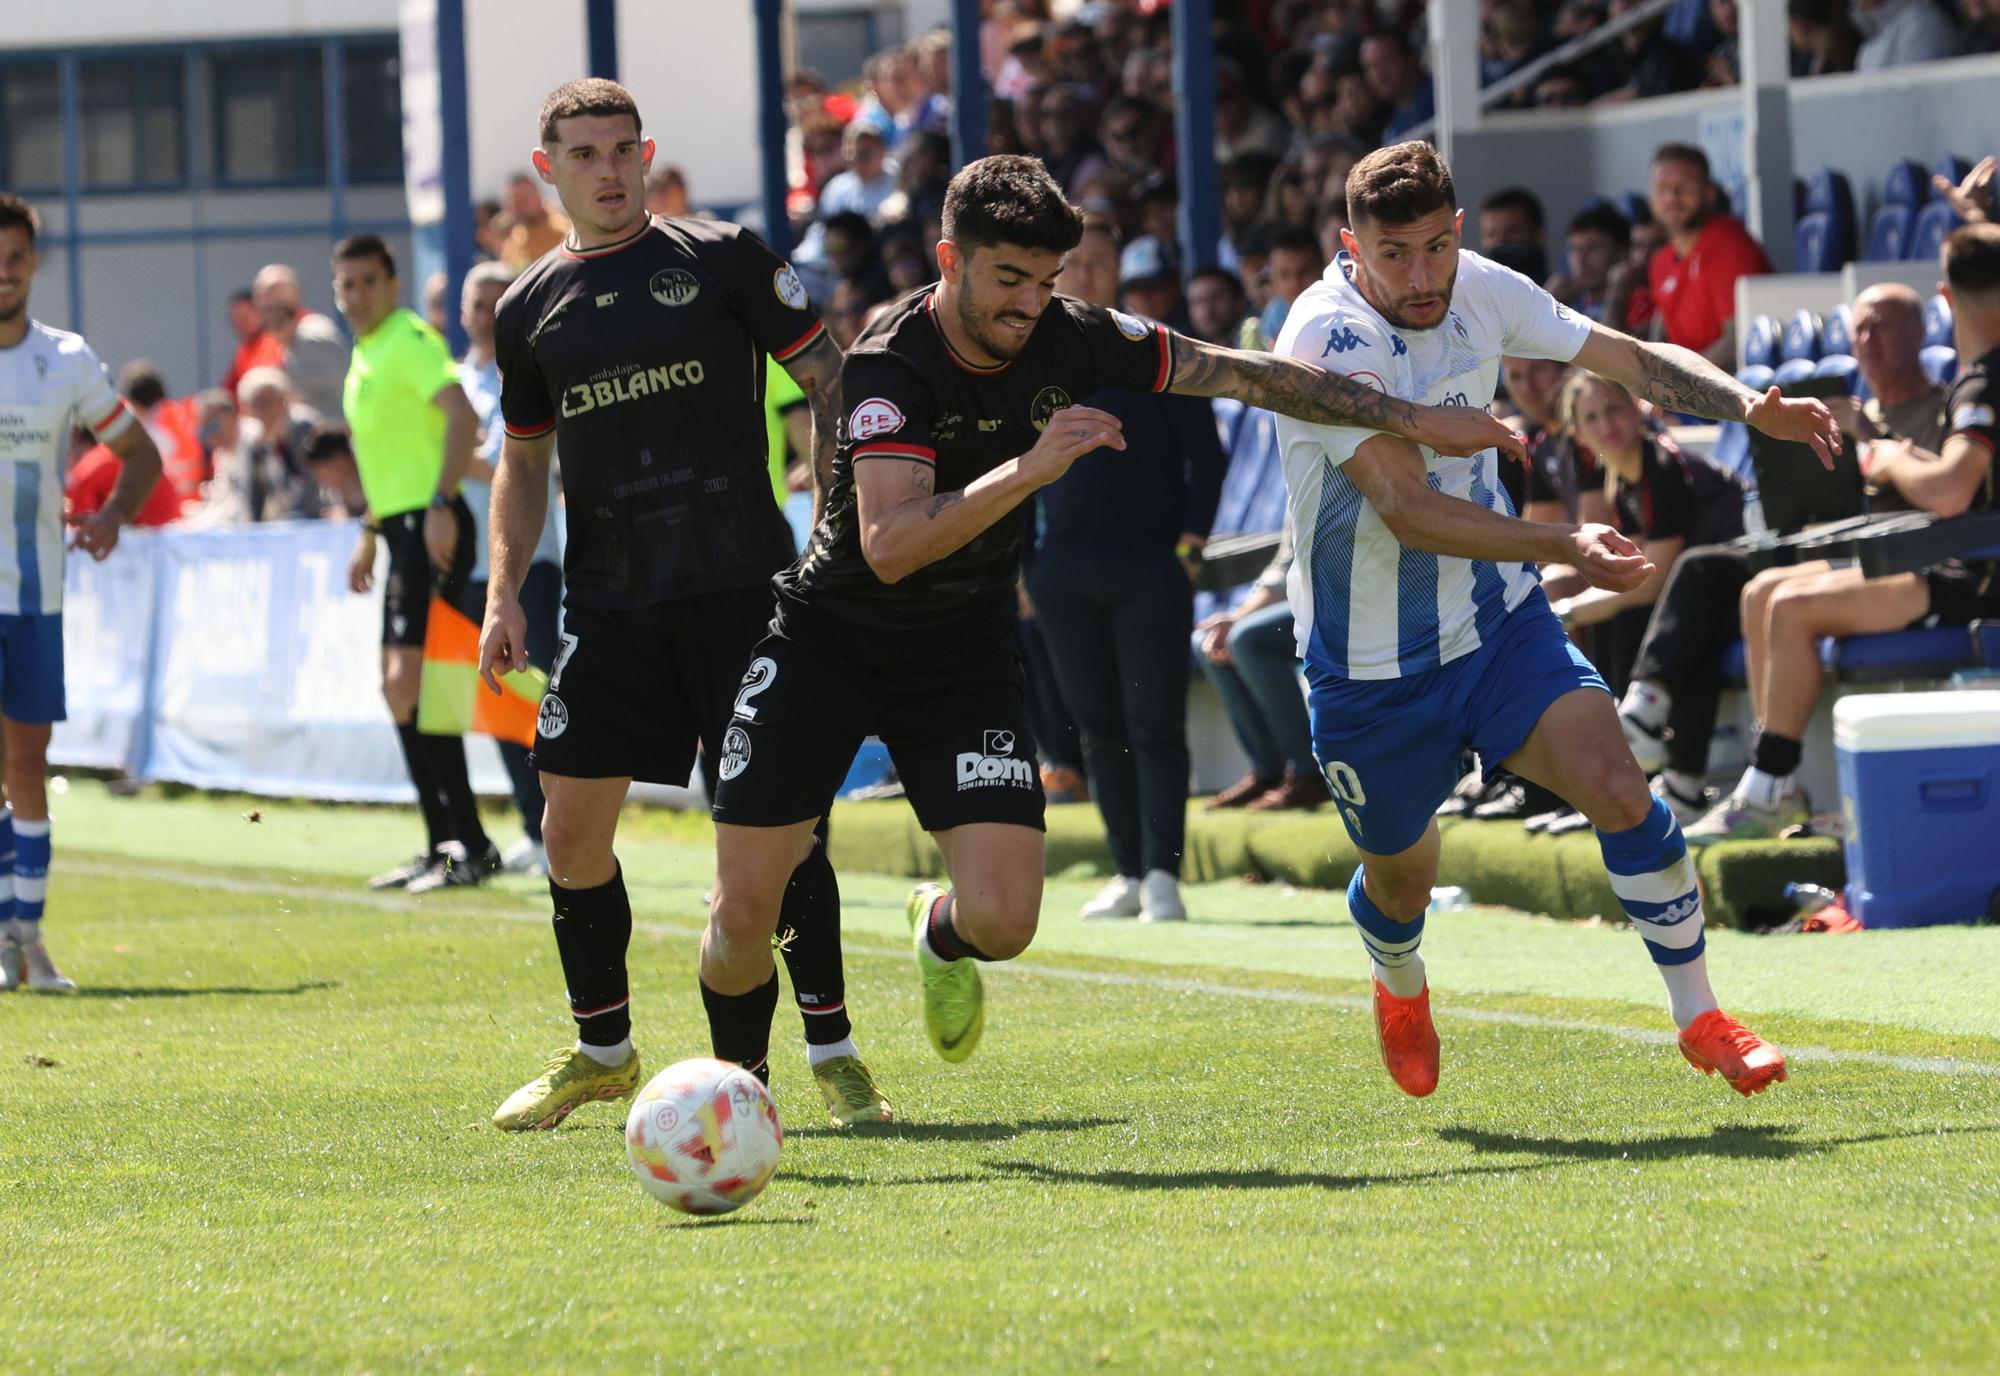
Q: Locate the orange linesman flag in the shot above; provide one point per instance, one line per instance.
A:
(453, 701)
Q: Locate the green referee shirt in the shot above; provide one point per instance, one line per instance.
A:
(781, 394)
(398, 367)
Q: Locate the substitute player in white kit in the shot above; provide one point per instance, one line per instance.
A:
(1421, 617)
(50, 383)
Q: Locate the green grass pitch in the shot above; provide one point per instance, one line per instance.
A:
(258, 1140)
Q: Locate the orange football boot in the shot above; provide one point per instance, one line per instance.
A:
(1408, 1040)
(1717, 1042)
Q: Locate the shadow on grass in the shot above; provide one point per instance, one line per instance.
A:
(957, 1132)
(1179, 1180)
(1752, 1141)
(165, 991)
(741, 1221)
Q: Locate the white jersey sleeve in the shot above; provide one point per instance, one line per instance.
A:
(94, 403)
(1358, 346)
(1533, 324)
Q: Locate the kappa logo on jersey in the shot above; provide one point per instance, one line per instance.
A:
(41, 369)
(994, 765)
(1130, 325)
(735, 752)
(1341, 340)
(789, 288)
(553, 719)
(674, 286)
(873, 417)
(1048, 401)
(1397, 348)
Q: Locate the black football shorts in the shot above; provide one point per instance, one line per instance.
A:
(956, 729)
(632, 691)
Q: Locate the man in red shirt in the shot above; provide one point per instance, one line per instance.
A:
(1693, 275)
(94, 473)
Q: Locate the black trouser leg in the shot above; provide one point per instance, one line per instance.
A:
(1698, 617)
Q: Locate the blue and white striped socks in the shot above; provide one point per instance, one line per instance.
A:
(1392, 945)
(1654, 880)
(6, 871)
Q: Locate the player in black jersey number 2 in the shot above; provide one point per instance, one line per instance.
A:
(898, 620)
(640, 344)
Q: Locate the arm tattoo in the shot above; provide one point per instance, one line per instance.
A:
(942, 502)
(920, 474)
(1287, 386)
(818, 376)
(1679, 380)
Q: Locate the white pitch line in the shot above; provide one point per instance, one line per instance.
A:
(1173, 984)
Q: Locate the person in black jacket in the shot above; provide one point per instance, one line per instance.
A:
(1111, 581)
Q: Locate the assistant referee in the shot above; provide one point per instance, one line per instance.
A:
(414, 432)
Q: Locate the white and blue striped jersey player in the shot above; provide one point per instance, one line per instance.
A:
(1412, 657)
(50, 383)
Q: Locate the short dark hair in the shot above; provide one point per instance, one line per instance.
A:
(593, 95)
(1517, 198)
(1602, 219)
(1972, 260)
(141, 384)
(366, 246)
(243, 294)
(1398, 184)
(1223, 275)
(328, 441)
(16, 213)
(1683, 153)
(1296, 239)
(1009, 199)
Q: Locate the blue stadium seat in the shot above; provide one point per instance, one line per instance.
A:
(1801, 337)
(1927, 652)
(1816, 243)
(1838, 335)
(1830, 194)
(1760, 342)
(1933, 223)
(1909, 184)
(1889, 233)
(1937, 321)
(1952, 169)
(1793, 370)
(1841, 366)
(1940, 362)
(1755, 376)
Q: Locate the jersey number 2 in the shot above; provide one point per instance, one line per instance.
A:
(761, 674)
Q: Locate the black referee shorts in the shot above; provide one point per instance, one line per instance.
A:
(632, 691)
(413, 578)
(956, 729)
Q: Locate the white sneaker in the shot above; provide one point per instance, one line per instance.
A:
(10, 964)
(1119, 898)
(1649, 746)
(42, 973)
(1160, 898)
(525, 856)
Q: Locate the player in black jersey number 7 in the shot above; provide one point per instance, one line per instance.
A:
(641, 344)
(898, 620)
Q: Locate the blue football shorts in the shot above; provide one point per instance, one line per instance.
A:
(31, 668)
(1390, 748)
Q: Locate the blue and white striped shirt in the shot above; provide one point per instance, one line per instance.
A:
(1366, 607)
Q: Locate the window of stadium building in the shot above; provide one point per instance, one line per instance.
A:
(269, 116)
(131, 121)
(373, 85)
(31, 150)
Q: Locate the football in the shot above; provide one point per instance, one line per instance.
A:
(703, 1136)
